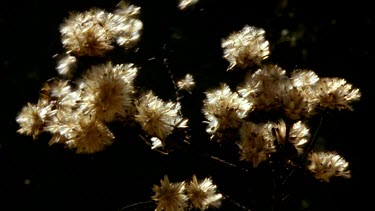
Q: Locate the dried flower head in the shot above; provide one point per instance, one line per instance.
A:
(67, 65)
(61, 125)
(325, 165)
(224, 109)
(79, 132)
(54, 91)
(63, 99)
(170, 196)
(87, 33)
(304, 78)
(156, 143)
(125, 9)
(296, 104)
(298, 135)
(265, 87)
(256, 142)
(300, 100)
(336, 93)
(246, 47)
(32, 118)
(125, 24)
(184, 4)
(157, 118)
(89, 136)
(202, 195)
(187, 83)
(106, 90)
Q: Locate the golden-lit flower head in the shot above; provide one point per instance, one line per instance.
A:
(265, 87)
(106, 90)
(60, 95)
(246, 47)
(170, 196)
(86, 33)
(32, 119)
(184, 4)
(125, 24)
(187, 83)
(67, 65)
(61, 125)
(202, 194)
(298, 135)
(54, 91)
(300, 100)
(256, 142)
(79, 132)
(297, 105)
(224, 108)
(157, 118)
(303, 77)
(89, 136)
(336, 93)
(325, 165)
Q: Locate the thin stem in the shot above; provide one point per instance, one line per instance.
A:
(278, 197)
(166, 64)
(228, 163)
(309, 147)
(226, 197)
(313, 139)
(135, 205)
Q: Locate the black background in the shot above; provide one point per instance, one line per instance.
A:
(335, 39)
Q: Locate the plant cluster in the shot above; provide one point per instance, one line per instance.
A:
(268, 117)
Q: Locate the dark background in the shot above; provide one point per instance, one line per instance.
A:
(335, 39)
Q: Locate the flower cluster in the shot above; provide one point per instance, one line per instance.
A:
(77, 107)
(156, 117)
(94, 32)
(246, 48)
(325, 165)
(267, 114)
(180, 196)
(224, 109)
(76, 114)
(259, 141)
(266, 117)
